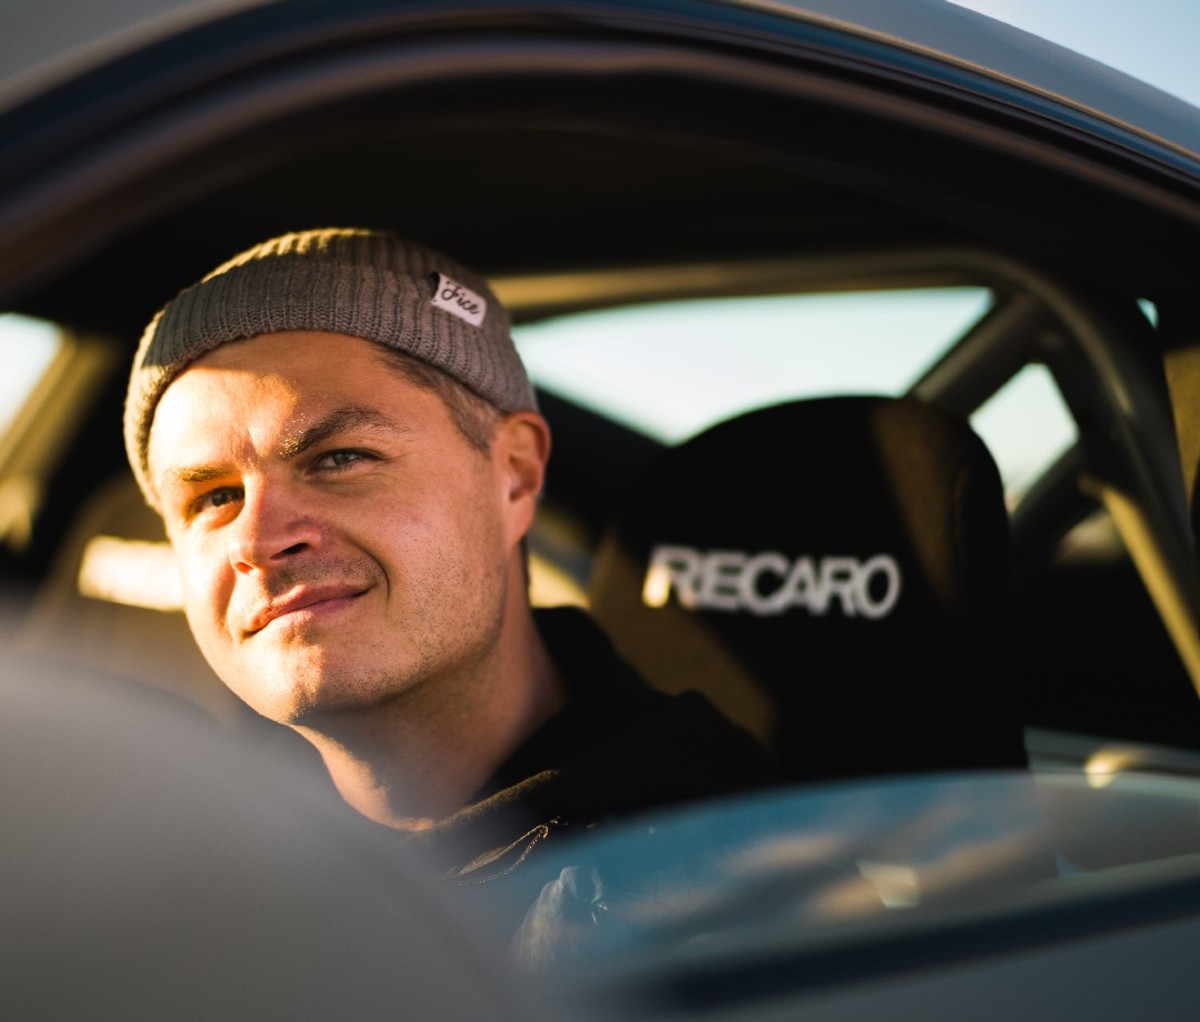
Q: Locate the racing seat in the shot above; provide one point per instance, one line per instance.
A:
(833, 574)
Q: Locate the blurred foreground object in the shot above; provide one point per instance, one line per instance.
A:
(152, 869)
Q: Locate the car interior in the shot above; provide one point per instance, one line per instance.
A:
(850, 660)
(1059, 602)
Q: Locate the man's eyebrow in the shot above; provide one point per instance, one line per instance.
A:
(193, 475)
(185, 475)
(348, 417)
(338, 421)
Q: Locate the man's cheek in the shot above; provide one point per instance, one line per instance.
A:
(205, 594)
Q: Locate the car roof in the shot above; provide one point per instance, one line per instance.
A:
(720, 68)
(58, 39)
(993, 48)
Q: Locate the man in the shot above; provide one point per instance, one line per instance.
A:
(347, 455)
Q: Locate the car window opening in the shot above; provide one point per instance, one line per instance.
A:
(702, 360)
(55, 377)
(28, 346)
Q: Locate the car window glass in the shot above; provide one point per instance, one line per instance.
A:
(27, 348)
(670, 369)
(1027, 427)
(52, 377)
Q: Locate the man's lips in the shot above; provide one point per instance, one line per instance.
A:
(310, 599)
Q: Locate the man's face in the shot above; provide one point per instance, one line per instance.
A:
(340, 542)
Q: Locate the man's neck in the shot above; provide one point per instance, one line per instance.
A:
(417, 759)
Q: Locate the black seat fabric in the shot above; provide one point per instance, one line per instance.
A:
(834, 575)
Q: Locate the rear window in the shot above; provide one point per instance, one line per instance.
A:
(670, 369)
(27, 350)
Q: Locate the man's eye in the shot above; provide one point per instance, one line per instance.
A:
(341, 459)
(216, 499)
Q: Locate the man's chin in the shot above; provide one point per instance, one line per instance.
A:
(301, 686)
(319, 702)
(291, 705)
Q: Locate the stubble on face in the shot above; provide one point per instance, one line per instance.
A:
(408, 631)
(414, 534)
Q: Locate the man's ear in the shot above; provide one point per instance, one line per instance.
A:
(521, 448)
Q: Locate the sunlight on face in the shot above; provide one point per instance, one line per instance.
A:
(339, 541)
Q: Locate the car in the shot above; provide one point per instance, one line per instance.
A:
(766, 261)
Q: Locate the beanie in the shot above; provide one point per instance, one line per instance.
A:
(363, 283)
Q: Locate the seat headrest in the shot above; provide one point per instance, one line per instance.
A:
(833, 573)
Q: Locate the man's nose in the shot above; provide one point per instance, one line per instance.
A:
(272, 528)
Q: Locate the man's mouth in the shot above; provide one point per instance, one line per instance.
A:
(305, 603)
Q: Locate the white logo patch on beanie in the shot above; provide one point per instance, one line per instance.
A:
(459, 301)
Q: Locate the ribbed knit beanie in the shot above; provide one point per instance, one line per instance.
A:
(367, 284)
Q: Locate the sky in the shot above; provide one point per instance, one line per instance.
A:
(1154, 40)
